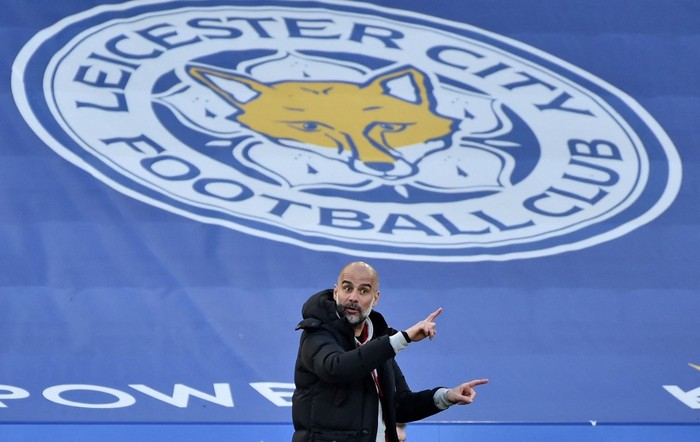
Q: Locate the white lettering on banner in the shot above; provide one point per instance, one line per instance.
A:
(278, 393)
(10, 392)
(54, 395)
(690, 398)
(181, 394)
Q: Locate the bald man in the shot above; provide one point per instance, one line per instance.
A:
(348, 385)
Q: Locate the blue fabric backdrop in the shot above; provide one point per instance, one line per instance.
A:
(114, 306)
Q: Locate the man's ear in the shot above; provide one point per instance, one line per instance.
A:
(335, 292)
(376, 299)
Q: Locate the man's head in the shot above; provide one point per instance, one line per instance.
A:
(356, 292)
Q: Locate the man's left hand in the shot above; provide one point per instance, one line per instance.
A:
(465, 393)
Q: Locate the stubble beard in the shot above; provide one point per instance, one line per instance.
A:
(354, 319)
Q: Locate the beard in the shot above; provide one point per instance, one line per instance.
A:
(353, 313)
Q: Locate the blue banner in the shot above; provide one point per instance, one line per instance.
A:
(178, 177)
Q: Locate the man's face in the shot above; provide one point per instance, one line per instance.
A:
(356, 293)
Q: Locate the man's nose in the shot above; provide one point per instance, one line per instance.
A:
(353, 296)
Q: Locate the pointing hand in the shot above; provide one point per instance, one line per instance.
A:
(425, 328)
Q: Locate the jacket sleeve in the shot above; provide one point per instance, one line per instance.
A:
(322, 354)
(412, 406)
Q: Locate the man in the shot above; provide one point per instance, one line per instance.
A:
(348, 385)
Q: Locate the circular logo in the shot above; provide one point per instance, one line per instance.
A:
(346, 127)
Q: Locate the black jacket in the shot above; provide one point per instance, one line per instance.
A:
(335, 397)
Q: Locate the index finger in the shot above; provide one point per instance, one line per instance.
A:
(476, 382)
(434, 314)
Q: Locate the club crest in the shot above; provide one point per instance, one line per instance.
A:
(346, 127)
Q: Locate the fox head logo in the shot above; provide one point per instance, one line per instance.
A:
(366, 125)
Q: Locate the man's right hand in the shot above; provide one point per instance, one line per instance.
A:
(425, 328)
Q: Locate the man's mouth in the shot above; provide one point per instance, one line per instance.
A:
(352, 310)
